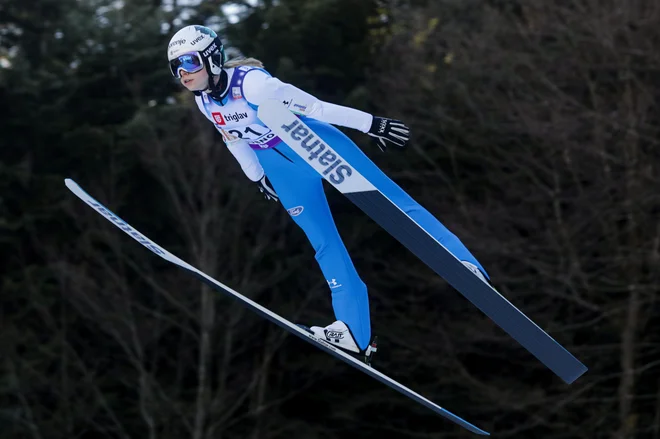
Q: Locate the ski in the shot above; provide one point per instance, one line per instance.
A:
(265, 312)
(338, 172)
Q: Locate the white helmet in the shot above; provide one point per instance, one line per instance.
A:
(193, 47)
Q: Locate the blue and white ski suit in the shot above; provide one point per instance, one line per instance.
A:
(258, 150)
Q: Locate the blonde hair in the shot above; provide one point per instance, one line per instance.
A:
(238, 62)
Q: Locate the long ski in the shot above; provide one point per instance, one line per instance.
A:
(345, 178)
(265, 312)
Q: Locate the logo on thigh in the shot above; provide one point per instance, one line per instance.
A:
(295, 211)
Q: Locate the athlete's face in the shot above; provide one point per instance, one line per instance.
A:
(195, 81)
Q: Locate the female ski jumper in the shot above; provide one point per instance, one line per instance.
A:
(230, 101)
(300, 188)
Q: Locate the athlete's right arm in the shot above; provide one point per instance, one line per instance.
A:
(249, 162)
(247, 158)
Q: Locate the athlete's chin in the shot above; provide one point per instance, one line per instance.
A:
(195, 85)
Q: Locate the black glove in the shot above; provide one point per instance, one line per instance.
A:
(267, 189)
(386, 131)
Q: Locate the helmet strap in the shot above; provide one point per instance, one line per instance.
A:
(218, 91)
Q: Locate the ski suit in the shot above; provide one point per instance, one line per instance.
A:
(300, 188)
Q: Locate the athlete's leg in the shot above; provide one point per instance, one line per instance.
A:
(301, 192)
(353, 155)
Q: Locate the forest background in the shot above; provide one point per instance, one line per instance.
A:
(535, 131)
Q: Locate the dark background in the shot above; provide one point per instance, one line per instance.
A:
(535, 139)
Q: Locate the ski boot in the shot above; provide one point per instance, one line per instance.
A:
(339, 335)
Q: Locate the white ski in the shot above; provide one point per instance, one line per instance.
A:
(265, 312)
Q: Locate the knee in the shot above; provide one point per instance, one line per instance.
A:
(326, 245)
(325, 242)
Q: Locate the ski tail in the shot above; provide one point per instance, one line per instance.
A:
(502, 312)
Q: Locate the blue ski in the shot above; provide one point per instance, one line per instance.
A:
(265, 312)
(388, 215)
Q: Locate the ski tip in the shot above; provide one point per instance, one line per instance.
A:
(460, 421)
(473, 428)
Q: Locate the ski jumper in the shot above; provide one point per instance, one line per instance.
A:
(300, 188)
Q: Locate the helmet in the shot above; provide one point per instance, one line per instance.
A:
(194, 47)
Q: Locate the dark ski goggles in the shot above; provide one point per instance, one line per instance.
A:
(188, 62)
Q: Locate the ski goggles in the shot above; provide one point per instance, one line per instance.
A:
(188, 62)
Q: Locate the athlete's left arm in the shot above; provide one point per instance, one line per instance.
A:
(259, 86)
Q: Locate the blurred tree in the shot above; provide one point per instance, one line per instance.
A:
(89, 347)
(539, 121)
(73, 75)
(319, 45)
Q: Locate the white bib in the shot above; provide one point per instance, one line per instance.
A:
(237, 119)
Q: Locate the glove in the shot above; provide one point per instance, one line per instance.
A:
(267, 189)
(390, 131)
